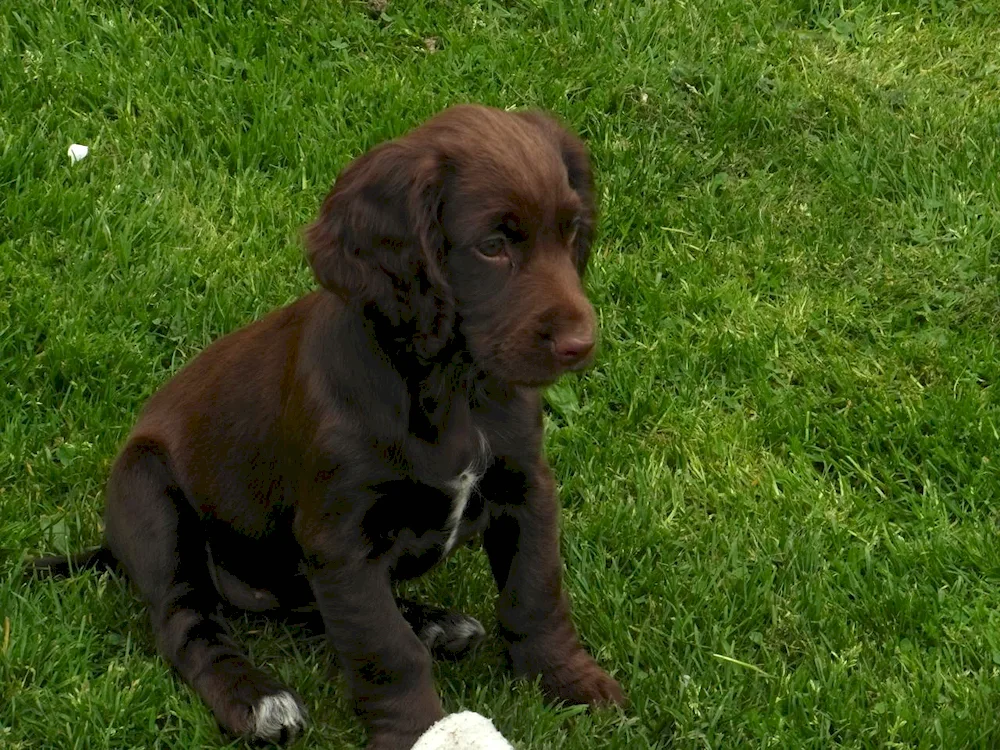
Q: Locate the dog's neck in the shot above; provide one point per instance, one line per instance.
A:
(438, 394)
(439, 384)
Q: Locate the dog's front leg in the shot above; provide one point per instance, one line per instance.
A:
(387, 668)
(522, 541)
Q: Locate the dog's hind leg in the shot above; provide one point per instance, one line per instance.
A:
(447, 634)
(157, 536)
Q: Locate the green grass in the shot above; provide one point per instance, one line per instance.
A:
(780, 482)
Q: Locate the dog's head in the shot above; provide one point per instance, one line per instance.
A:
(477, 224)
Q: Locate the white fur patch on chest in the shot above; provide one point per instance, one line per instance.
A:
(462, 488)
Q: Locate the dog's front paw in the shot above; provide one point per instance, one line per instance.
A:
(577, 679)
(392, 741)
(588, 684)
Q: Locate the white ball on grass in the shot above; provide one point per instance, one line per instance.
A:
(77, 152)
(466, 730)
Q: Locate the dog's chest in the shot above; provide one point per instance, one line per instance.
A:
(419, 520)
(461, 488)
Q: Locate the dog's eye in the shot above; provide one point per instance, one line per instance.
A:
(493, 246)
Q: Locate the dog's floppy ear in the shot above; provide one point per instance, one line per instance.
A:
(378, 242)
(581, 178)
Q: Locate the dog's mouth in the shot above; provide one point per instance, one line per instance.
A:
(534, 371)
(528, 357)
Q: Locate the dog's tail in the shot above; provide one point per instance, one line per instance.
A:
(61, 566)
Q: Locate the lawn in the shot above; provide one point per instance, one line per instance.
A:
(781, 481)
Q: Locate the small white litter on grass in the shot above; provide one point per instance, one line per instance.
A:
(77, 152)
(463, 731)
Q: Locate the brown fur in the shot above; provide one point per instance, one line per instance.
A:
(308, 458)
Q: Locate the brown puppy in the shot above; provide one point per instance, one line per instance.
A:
(359, 435)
